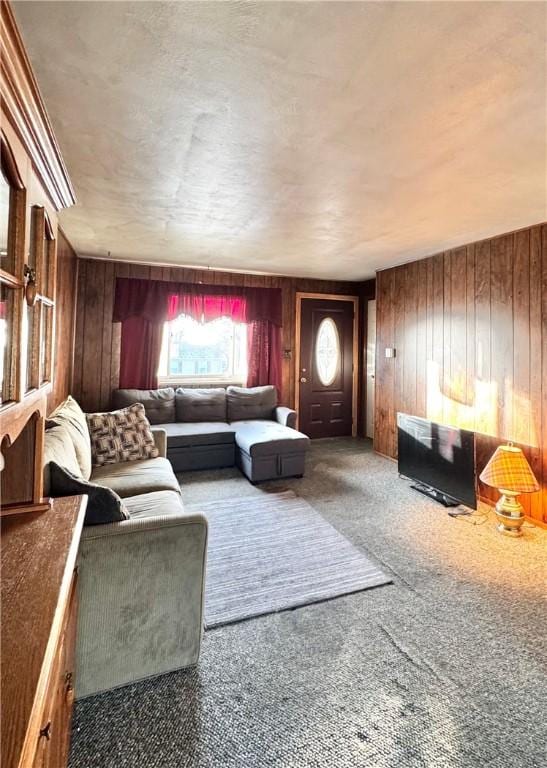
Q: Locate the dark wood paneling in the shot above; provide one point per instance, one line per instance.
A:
(65, 315)
(384, 426)
(97, 347)
(473, 352)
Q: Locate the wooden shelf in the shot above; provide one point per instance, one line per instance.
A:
(38, 597)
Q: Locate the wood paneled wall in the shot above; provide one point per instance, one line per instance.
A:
(97, 348)
(65, 319)
(470, 331)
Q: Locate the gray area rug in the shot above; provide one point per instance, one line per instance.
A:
(444, 669)
(272, 552)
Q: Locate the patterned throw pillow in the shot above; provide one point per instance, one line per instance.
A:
(123, 435)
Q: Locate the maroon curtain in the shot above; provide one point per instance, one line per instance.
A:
(140, 353)
(140, 298)
(208, 302)
(264, 354)
(207, 307)
(143, 306)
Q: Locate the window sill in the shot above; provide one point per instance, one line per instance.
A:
(197, 383)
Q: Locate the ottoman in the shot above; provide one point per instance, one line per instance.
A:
(267, 450)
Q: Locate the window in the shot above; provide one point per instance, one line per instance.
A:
(5, 194)
(6, 295)
(200, 352)
(327, 351)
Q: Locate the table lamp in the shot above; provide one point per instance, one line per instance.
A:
(509, 472)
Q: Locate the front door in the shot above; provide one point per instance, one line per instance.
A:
(326, 367)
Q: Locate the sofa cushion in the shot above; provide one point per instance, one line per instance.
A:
(206, 433)
(159, 404)
(59, 448)
(103, 504)
(251, 402)
(200, 404)
(70, 415)
(120, 436)
(156, 504)
(264, 438)
(136, 477)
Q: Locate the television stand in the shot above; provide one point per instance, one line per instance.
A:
(442, 498)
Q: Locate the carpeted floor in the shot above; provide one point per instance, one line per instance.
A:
(444, 668)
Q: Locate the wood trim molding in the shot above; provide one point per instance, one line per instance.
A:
(9, 164)
(24, 106)
(34, 404)
(298, 326)
(6, 278)
(49, 233)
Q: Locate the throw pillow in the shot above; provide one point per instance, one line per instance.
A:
(70, 415)
(123, 435)
(103, 505)
(58, 447)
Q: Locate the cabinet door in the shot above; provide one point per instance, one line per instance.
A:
(54, 741)
(12, 234)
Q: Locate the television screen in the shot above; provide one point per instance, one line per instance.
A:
(442, 458)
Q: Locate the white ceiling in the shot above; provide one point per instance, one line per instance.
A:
(320, 139)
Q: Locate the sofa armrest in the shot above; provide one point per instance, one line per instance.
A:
(142, 525)
(160, 438)
(285, 416)
(141, 585)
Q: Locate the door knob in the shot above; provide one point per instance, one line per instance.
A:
(303, 380)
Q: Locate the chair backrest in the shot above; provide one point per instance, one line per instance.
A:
(159, 404)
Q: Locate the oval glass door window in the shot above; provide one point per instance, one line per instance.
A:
(327, 351)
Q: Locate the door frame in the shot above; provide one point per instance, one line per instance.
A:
(366, 304)
(296, 369)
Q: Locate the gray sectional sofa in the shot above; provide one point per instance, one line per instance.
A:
(211, 428)
(141, 581)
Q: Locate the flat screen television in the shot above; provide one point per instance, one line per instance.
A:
(441, 460)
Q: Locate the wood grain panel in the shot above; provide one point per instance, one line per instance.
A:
(65, 316)
(543, 438)
(470, 347)
(97, 347)
(93, 346)
(384, 425)
(435, 384)
(485, 342)
(421, 338)
(410, 274)
(537, 342)
(458, 334)
(501, 332)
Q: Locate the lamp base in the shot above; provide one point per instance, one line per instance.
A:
(510, 514)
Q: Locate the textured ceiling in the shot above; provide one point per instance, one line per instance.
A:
(321, 139)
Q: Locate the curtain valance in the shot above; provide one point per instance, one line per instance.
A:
(158, 301)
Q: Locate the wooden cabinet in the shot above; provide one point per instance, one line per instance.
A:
(39, 542)
(34, 187)
(38, 633)
(54, 736)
